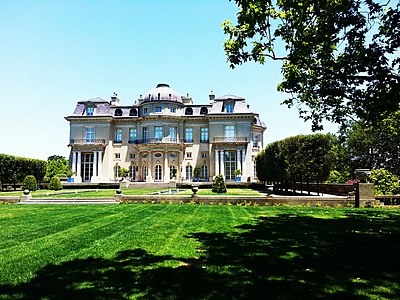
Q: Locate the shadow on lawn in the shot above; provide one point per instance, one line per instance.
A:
(281, 257)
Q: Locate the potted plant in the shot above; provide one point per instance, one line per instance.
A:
(173, 174)
(196, 174)
(238, 173)
(69, 174)
(124, 172)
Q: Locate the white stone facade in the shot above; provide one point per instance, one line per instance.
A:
(163, 132)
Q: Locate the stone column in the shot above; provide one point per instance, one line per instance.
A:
(179, 166)
(99, 165)
(73, 166)
(78, 167)
(244, 174)
(221, 163)
(216, 158)
(166, 168)
(94, 163)
(149, 178)
(238, 160)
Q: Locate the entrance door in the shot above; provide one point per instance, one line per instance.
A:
(87, 166)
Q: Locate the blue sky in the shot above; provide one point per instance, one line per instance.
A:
(55, 53)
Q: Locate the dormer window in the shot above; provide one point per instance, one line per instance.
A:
(229, 107)
(158, 109)
(145, 111)
(118, 112)
(203, 111)
(89, 111)
(189, 111)
(172, 109)
(133, 112)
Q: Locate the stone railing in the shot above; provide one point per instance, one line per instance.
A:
(164, 140)
(227, 140)
(74, 142)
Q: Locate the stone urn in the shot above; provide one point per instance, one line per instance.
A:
(195, 189)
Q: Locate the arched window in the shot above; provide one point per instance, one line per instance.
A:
(117, 171)
(144, 172)
(132, 172)
(133, 112)
(203, 111)
(118, 112)
(189, 111)
(172, 171)
(189, 173)
(204, 173)
(158, 173)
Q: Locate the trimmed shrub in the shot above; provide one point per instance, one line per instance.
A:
(55, 184)
(30, 183)
(219, 185)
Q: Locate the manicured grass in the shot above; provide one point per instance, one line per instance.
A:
(109, 193)
(198, 252)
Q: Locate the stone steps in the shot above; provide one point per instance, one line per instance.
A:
(69, 201)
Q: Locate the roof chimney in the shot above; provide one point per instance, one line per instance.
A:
(114, 99)
(211, 96)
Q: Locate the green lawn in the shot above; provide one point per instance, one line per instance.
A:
(198, 252)
(109, 193)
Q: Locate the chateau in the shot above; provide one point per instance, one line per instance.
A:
(164, 136)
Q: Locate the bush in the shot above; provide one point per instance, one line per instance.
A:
(386, 183)
(219, 185)
(337, 177)
(55, 184)
(29, 183)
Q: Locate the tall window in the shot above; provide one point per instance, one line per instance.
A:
(132, 135)
(189, 135)
(144, 134)
(132, 172)
(144, 172)
(158, 133)
(254, 168)
(230, 164)
(117, 171)
(255, 141)
(230, 133)
(118, 135)
(172, 171)
(89, 111)
(204, 135)
(172, 134)
(158, 173)
(189, 173)
(87, 166)
(204, 172)
(89, 135)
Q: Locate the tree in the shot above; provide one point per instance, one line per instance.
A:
(56, 165)
(374, 146)
(338, 57)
